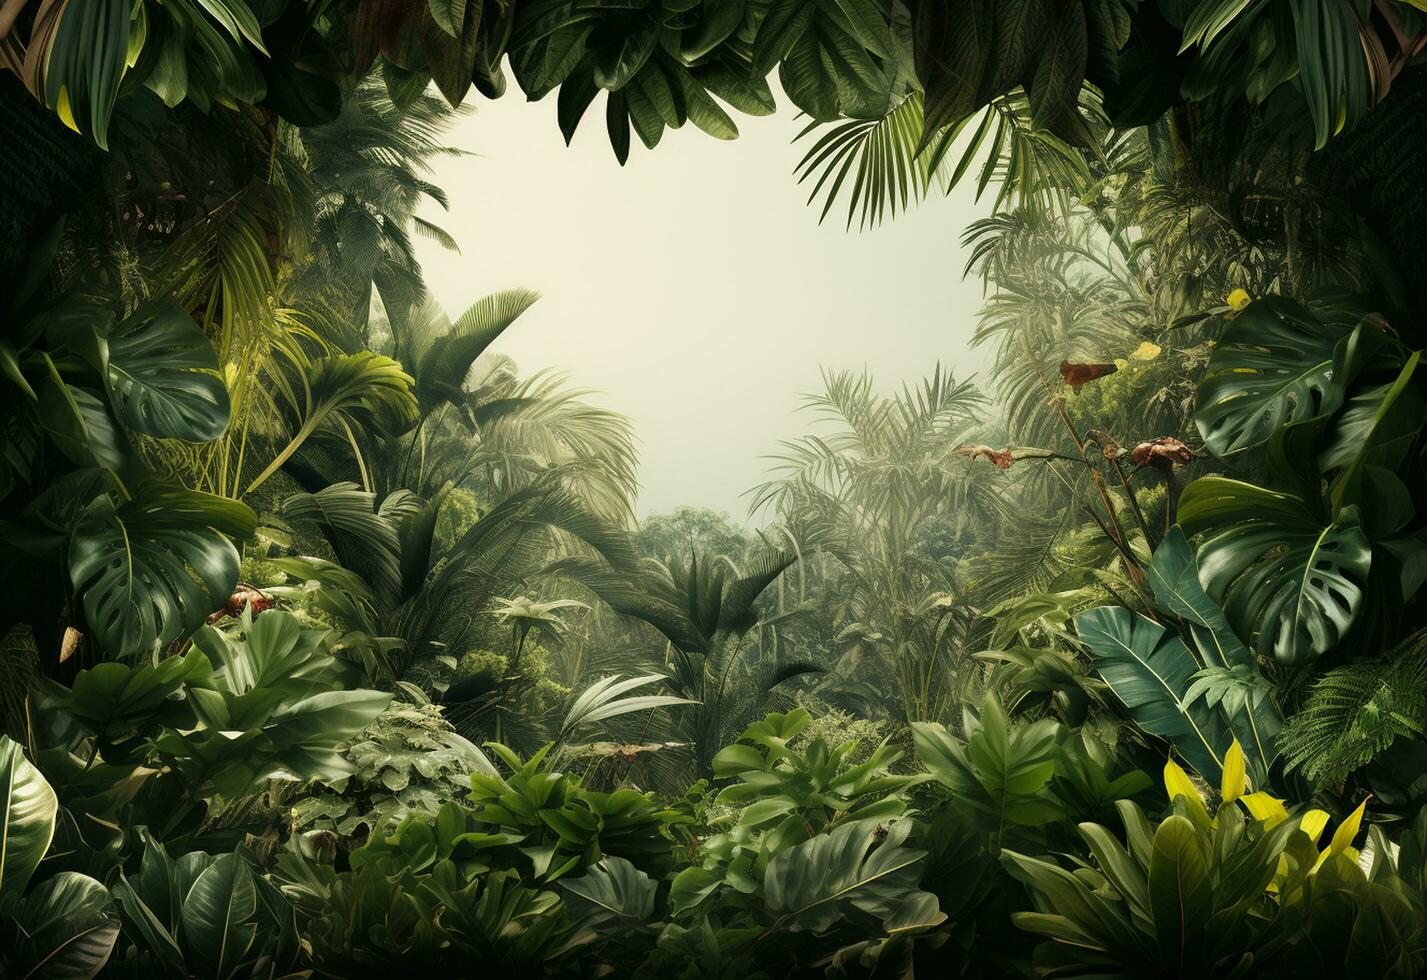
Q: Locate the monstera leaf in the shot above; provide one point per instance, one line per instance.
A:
(163, 377)
(27, 818)
(1277, 365)
(1291, 583)
(152, 569)
(1150, 669)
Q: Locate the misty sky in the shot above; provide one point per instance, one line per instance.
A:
(693, 287)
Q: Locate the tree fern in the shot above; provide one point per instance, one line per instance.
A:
(1352, 713)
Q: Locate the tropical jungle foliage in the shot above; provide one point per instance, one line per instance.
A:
(331, 645)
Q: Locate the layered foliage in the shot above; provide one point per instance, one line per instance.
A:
(331, 647)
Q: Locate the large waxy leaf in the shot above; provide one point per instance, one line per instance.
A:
(163, 377)
(864, 863)
(716, 22)
(1277, 365)
(27, 817)
(151, 570)
(1291, 584)
(1173, 577)
(621, 46)
(217, 917)
(81, 426)
(1149, 670)
(268, 708)
(68, 928)
(1181, 891)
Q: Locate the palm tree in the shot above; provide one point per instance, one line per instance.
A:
(706, 608)
(476, 423)
(860, 498)
(368, 172)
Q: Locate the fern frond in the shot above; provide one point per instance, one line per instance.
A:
(1355, 712)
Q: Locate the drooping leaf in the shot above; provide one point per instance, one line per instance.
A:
(27, 817)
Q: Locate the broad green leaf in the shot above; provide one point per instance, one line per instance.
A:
(1149, 670)
(612, 893)
(152, 570)
(449, 15)
(114, 699)
(716, 22)
(1290, 584)
(218, 910)
(68, 928)
(1181, 891)
(864, 864)
(27, 818)
(163, 377)
(1276, 365)
(1002, 769)
(1173, 577)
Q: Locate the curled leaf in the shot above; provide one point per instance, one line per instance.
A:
(1162, 453)
(1002, 458)
(1076, 375)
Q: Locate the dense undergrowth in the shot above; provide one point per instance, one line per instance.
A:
(331, 646)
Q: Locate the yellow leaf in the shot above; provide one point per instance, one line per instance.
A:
(1347, 830)
(63, 110)
(1145, 352)
(1266, 808)
(1121, 364)
(1239, 299)
(1235, 778)
(1177, 783)
(1312, 824)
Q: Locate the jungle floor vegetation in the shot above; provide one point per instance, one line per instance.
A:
(330, 644)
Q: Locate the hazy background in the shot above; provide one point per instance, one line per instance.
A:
(694, 287)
